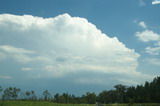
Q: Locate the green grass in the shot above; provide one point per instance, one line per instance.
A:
(42, 103)
(136, 104)
(37, 103)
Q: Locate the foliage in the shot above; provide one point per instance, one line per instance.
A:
(42, 103)
(36, 103)
(46, 95)
(147, 93)
(10, 93)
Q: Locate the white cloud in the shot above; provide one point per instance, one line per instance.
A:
(153, 51)
(154, 61)
(123, 78)
(26, 69)
(155, 2)
(142, 24)
(99, 81)
(157, 43)
(142, 3)
(17, 54)
(20, 54)
(5, 77)
(64, 45)
(128, 82)
(147, 36)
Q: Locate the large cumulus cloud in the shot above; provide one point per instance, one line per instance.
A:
(65, 45)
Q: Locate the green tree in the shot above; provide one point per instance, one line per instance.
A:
(66, 97)
(146, 92)
(155, 90)
(28, 93)
(130, 94)
(33, 95)
(1, 89)
(140, 94)
(121, 89)
(62, 99)
(112, 96)
(56, 98)
(102, 97)
(10, 93)
(46, 95)
(90, 97)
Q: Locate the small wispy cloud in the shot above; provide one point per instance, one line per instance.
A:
(5, 77)
(155, 2)
(153, 61)
(142, 24)
(153, 51)
(142, 3)
(26, 69)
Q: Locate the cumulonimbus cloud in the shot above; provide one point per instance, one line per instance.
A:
(66, 44)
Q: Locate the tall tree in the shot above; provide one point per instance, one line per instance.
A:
(130, 94)
(1, 89)
(28, 93)
(10, 93)
(112, 96)
(46, 95)
(102, 97)
(90, 97)
(56, 98)
(155, 90)
(33, 95)
(66, 97)
(121, 89)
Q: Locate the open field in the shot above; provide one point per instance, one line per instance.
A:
(41, 103)
(37, 103)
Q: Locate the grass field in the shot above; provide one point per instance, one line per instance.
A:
(37, 103)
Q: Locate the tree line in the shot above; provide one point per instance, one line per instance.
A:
(146, 93)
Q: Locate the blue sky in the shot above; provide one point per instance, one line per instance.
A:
(77, 46)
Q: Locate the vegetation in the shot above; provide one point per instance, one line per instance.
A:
(43, 103)
(37, 103)
(147, 93)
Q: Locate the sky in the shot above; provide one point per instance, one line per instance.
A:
(78, 46)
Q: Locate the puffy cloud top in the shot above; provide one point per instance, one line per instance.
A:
(147, 36)
(142, 24)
